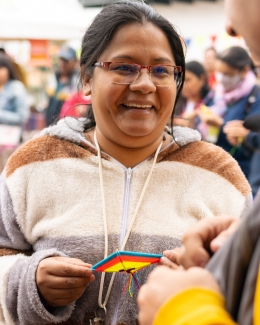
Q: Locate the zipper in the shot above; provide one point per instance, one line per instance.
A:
(125, 206)
(128, 178)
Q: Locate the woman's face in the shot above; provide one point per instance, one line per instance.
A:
(192, 86)
(228, 76)
(132, 115)
(4, 75)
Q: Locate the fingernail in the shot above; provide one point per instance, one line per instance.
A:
(164, 259)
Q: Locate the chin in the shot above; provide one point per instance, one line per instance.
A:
(137, 130)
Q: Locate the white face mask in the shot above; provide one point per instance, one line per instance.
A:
(228, 83)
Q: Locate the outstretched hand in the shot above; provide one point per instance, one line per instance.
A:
(201, 241)
(62, 280)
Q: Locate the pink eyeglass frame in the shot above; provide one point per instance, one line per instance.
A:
(148, 67)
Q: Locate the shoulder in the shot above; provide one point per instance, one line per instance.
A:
(46, 148)
(211, 158)
(16, 87)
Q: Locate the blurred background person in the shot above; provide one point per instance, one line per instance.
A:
(237, 97)
(195, 93)
(210, 60)
(63, 84)
(76, 105)
(13, 97)
(20, 73)
(14, 109)
(248, 134)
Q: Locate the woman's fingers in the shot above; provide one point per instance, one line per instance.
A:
(62, 279)
(56, 282)
(64, 267)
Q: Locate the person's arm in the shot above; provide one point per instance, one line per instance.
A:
(22, 301)
(21, 113)
(195, 306)
(182, 298)
(256, 315)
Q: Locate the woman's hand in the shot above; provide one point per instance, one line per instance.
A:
(62, 280)
(236, 132)
(163, 283)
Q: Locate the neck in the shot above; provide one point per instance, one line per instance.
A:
(127, 156)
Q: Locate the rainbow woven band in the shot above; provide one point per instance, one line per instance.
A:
(127, 262)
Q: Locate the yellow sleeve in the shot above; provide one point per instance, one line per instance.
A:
(257, 301)
(194, 306)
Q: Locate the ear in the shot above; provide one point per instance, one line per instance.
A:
(87, 87)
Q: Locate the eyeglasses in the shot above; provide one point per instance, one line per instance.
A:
(127, 73)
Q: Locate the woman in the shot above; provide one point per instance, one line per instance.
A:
(195, 94)
(13, 99)
(240, 98)
(83, 190)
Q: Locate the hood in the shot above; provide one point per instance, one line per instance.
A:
(71, 128)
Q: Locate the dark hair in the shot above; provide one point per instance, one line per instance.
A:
(101, 31)
(236, 57)
(5, 62)
(196, 68)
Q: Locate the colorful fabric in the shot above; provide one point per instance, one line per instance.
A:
(123, 261)
(50, 205)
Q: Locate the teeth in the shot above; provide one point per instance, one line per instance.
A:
(137, 105)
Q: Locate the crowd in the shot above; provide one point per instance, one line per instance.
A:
(142, 152)
(217, 96)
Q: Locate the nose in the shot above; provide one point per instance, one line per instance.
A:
(230, 30)
(143, 83)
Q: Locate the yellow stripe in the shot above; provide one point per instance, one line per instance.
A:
(127, 265)
(257, 301)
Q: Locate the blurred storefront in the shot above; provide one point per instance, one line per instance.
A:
(31, 31)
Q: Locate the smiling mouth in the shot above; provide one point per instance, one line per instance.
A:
(138, 106)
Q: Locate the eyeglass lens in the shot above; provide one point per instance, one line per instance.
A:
(124, 73)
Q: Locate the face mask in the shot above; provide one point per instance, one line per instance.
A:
(228, 83)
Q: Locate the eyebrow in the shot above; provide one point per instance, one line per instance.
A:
(128, 57)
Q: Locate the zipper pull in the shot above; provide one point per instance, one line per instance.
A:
(129, 173)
